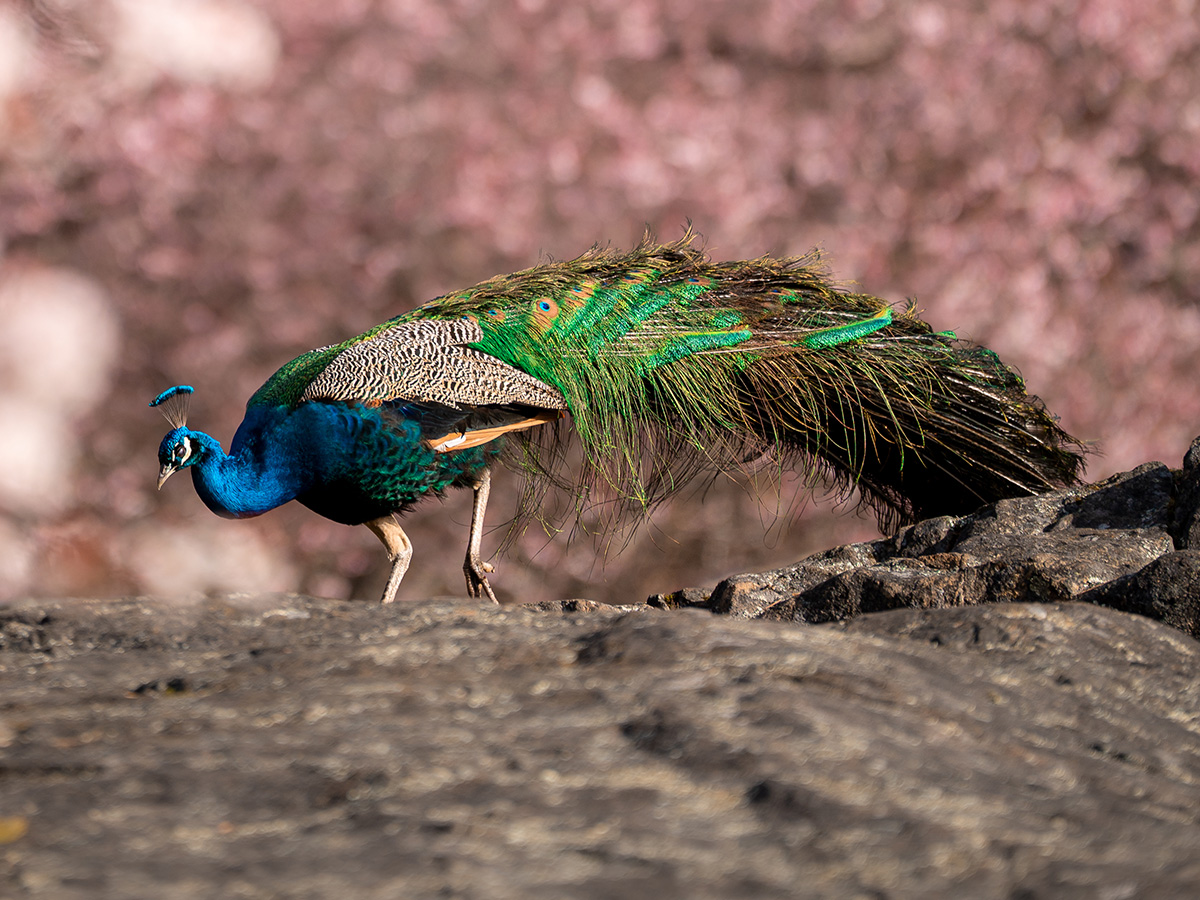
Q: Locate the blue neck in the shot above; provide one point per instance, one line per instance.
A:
(257, 476)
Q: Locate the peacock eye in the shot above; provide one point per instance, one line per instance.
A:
(182, 450)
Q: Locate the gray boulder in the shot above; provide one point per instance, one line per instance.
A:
(1126, 543)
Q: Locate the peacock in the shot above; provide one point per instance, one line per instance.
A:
(664, 365)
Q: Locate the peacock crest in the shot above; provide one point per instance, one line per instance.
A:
(173, 403)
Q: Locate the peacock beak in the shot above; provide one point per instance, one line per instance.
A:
(164, 473)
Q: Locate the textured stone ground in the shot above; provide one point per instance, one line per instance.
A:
(279, 746)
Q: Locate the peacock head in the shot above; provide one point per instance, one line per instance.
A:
(182, 447)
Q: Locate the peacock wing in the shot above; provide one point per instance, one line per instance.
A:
(429, 361)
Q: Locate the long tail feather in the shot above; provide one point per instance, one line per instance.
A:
(673, 366)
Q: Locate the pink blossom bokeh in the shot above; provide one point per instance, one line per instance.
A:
(195, 192)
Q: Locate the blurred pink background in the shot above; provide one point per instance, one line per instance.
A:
(196, 191)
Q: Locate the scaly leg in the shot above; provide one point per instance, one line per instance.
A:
(475, 569)
(399, 551)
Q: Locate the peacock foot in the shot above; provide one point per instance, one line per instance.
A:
(477, 584)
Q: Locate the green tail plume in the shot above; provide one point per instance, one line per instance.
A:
(673, 366)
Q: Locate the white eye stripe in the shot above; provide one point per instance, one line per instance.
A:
(183, 450)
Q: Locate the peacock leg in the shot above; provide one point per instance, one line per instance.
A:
(476, 570)
(399, 551)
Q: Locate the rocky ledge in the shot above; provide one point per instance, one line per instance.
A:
(1130, 543)
(942, 745)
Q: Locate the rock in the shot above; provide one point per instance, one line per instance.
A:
(686, 598)
(1053, 548)
(1185, 526)
(285, 746)
(1168, 589)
